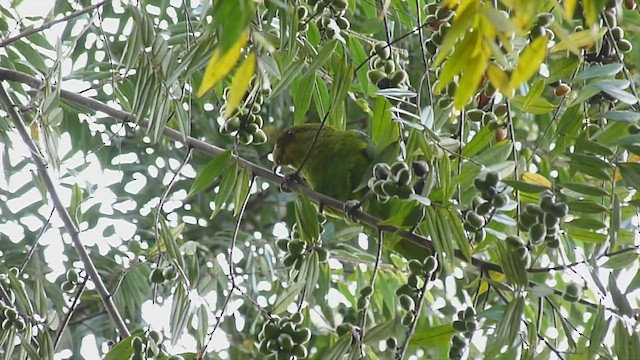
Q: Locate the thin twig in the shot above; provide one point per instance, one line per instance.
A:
(414, 323)
(72, 309)
(49, 24)
(34, 246)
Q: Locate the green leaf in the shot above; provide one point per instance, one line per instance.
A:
(630, 173)
(586, 236)
(508, 328)
(306, 219)
(292, 71)
(586, 207)
(210, 173)
(383, 130)
(585, 189)
(179, 313)
(525, 186)
(598, 332)
(286, 296)
(537, 106)
(321, 58)
(227, 185)
(433, 337)
(626, 116)
(596, 71)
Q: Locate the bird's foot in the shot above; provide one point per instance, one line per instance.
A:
(289, 179)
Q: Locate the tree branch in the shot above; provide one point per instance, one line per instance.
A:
(73, 232)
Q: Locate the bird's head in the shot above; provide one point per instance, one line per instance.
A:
(293, 143)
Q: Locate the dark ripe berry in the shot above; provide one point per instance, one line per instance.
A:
(384, 83)
(156, 276)
(403, 177)
(476, 201)
(296, 247)
(344, 328)
(259, 137)
(469, 313)
(296, 318)
(536, 31)
(404, 191)
(501, 110)
(484, 208)
(537, 234)
(399, 77)
(289, 260)
(552, 242)
(408, 318)
(560, 209)
(475, 115)
(415, 267)
(381, 171)
(490, 193)
(474, 219)
(300, 351)
(375, 75)
(492, 178)
(617, 33)
(544, 19)
(514, 241)
(282, 244)
(431, 8)
(459, 325)
(301, 335)
(501, 200)
(624, 45)
(366, 291)
(479, 236)
(533, 209)
(480, 184)
(418, 186)
(458, 341)
(362, 303)
(500, 135)
(392, 343)
(343, 23)
(633, 129)
(407, 302)
(546, 203)
(550, 220)
(528, 219)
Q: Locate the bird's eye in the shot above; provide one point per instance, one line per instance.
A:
(290, 133)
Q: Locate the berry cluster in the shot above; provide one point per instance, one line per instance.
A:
(284, 338)
(543, 220)
(409, 293)
(541, 27)
(385, 71)
(492, 198)
(9, 318)
(162, 274)
(147, 347)
(572, 292)
(438, 19)
(246, 122)
(331, 20)
(395, 180)
(520, 248)
(466, 323)
(297, 249)
(71, 282)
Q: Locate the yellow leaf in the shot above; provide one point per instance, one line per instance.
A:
(239, 84)
(220, 64)
(536, 179)
(499, 79)
(35, 133)
(581, 39)
(529, 61)
(632, 159)
(495, 276)
(569, 8)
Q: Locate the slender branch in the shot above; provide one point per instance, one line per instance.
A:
(72, 309)
(73, 232)
(414, 323)
(49, 24)
(260, 171)
(35, 243)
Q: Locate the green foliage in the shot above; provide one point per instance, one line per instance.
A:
(497, 143)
